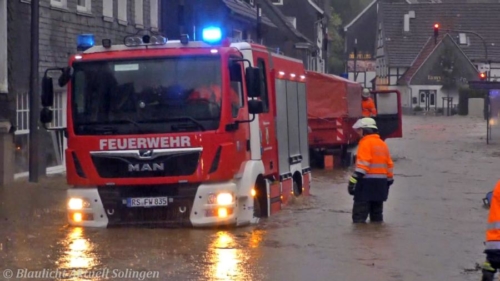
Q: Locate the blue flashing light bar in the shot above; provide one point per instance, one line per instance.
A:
(212, 34)
(85, 41)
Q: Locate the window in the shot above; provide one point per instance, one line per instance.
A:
(277, 2)
(236, 77)
(154, 13)
(161, 95)
(84, 6)
(138, 12)
(58, 3)
(237, 35)
(122, 11)
(265, 99)
(107, 8)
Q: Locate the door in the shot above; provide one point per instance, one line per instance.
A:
(428, 99)
(389, 117)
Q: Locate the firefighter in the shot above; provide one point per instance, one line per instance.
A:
(373, 175)
(492, 250)
(367, 104)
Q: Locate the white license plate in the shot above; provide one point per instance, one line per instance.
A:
(147, 202)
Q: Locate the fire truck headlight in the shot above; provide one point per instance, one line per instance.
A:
(224, 198)
(212, 34)
(78, 204)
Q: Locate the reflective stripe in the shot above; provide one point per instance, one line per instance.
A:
(378, 165)
(353, 180)
(359, 170)
(492, 245)
(390, 170)
(494, 225)
(375, 176)
(361, 162)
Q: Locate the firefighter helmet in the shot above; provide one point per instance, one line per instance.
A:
(366, 93)
(365, 123)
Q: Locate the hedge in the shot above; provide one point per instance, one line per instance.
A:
(464, 94)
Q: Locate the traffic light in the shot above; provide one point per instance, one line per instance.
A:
(482, 76)
(436, 30)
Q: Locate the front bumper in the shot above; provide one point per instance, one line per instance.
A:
(188, 206)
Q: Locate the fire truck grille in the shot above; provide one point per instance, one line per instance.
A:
(162, 166)
(181, 198)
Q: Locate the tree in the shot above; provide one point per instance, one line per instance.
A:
(342, 11)
(336, 49)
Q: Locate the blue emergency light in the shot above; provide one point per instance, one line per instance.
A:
(85, 41)
(212, 34)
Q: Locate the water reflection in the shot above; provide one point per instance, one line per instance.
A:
(78, 252)
(234, 257)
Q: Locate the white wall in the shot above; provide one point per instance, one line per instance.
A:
(362, 77)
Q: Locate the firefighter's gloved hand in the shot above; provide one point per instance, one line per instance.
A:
(390, 182)
(351, 188)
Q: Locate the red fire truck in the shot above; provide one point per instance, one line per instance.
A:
(197, 133)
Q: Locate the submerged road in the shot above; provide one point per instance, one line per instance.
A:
(434, 226)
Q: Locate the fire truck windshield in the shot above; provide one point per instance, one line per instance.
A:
(146, 95)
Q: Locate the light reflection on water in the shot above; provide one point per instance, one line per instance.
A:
(231, 257)
(78, 258)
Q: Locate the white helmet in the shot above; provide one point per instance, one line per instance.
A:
(366, 93)
(365, 123)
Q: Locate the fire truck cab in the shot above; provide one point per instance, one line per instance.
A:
(197, 133)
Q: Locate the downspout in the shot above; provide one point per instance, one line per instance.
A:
(4, 87)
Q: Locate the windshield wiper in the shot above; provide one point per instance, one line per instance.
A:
(180, 118)
(111, 123)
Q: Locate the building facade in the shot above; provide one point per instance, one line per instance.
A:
(309, 18)
(265, 22)
(61, 21)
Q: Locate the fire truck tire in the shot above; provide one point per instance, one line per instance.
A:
(260, 199)
(257, 211)
(296, 185)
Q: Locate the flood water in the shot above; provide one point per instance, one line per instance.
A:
(434, 226)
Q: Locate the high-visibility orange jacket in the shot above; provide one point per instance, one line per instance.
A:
(493, 231)
(368, 107)
(374, 161)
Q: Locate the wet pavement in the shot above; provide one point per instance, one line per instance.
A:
(434, 226)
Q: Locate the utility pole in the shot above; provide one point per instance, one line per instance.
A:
(34, 98)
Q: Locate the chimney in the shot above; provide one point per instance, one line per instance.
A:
(407, 17)
(406, 25)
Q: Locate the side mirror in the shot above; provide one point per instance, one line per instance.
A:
(47, 92)
(255, 107)
(46, 115)
(65, 76)
(253, 81)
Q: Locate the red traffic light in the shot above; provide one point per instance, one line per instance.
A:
(436, 30)
(482, 76)
(436, 26)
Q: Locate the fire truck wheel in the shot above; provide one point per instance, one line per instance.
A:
(296, 188)
(257, 212)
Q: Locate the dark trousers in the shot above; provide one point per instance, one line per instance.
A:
(491, 265)
(361, 210)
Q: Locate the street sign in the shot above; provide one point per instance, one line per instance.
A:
(484, 67)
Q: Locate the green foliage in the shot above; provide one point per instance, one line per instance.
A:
(418, 108)
(342, 12)
(449, 70)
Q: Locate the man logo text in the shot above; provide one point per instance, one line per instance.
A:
(146, 167)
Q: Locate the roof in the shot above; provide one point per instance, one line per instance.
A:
(402, 48)
(426, 51)
(429, 48)
(280, 19)
(246, 10)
